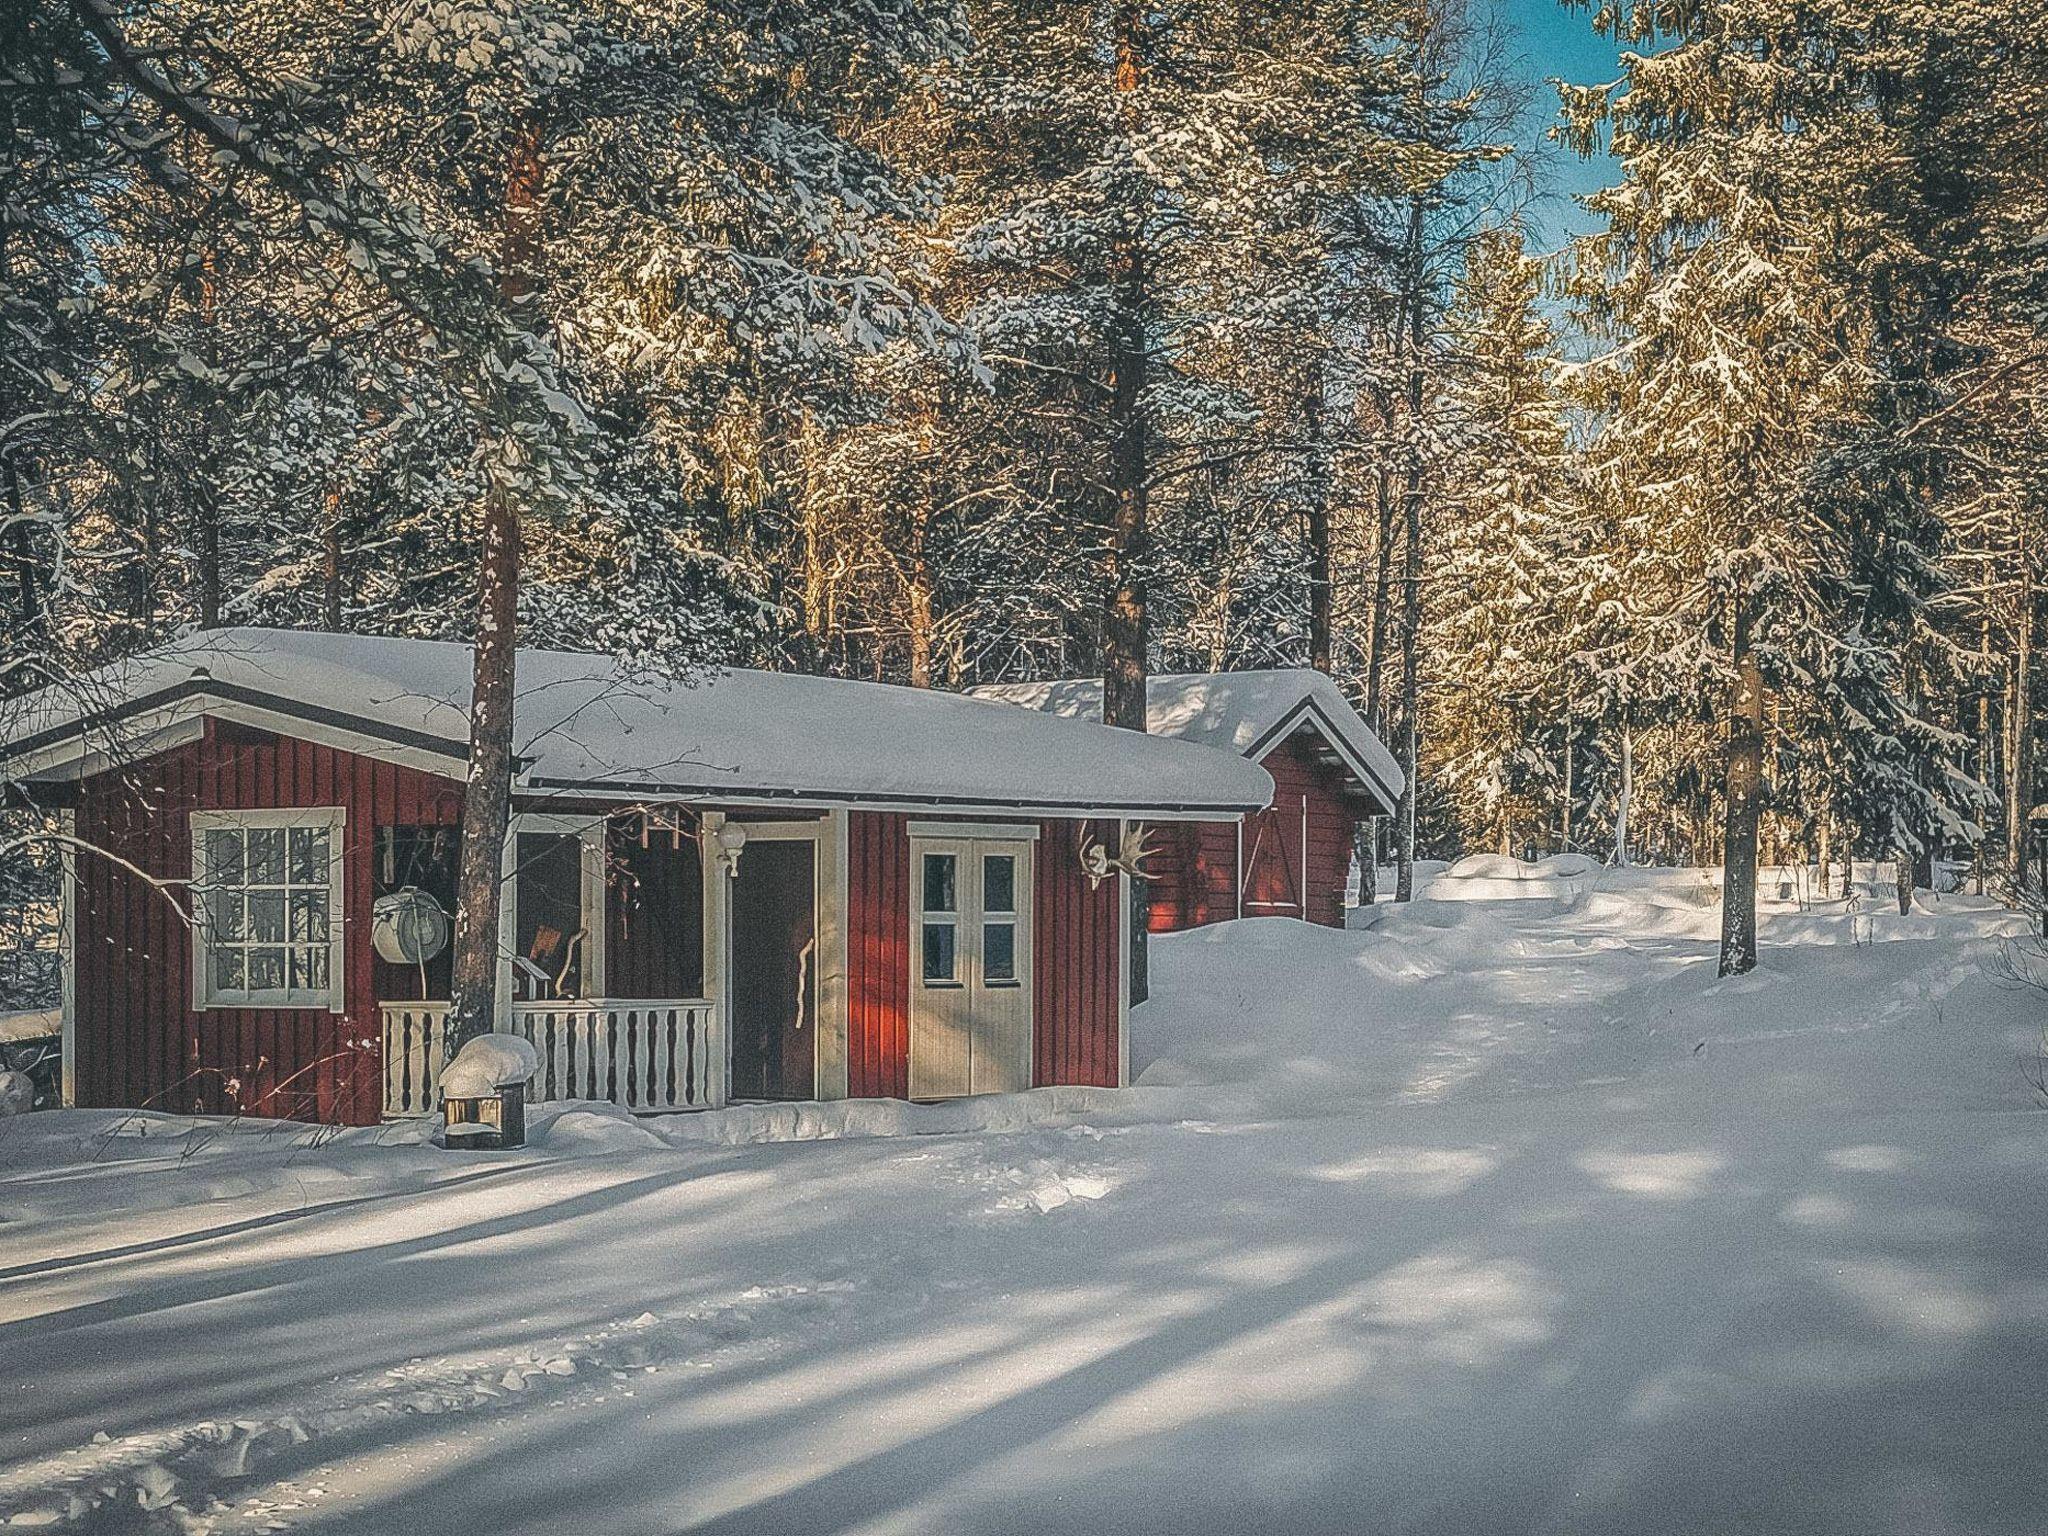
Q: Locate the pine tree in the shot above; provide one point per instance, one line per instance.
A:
(1499, 687)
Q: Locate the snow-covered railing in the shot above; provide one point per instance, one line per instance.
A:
(645, 1056)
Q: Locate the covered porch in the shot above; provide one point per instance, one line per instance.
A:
(619, 930)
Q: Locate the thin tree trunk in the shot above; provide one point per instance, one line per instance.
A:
(1621, 803)
(2019, 733)
(207, 516)
(1824, 853)
(1124, 636)
(205, 506)
(1321, 592)
(1382, 593)
(487, 793)
(1745, 772)
(1411, 574)
(1565, 833)
(330, 564)
(919, 600)
(1411, 629)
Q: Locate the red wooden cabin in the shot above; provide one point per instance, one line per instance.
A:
(755, 886)
(1292, 859)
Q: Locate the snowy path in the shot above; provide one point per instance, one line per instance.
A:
(1541, 1230)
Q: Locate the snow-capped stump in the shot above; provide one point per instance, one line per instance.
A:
(483, 1092)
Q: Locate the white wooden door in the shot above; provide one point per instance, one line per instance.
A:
(970, 976)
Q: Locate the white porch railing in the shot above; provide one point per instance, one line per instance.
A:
(646, 1056)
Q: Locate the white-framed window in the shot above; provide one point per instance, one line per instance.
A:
(267, 907)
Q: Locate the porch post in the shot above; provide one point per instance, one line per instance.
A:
(834, 897)
(717, 946)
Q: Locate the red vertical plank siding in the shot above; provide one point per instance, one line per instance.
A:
(1077, 968)
(140, 1044)
(878, 955)
(1197, 863)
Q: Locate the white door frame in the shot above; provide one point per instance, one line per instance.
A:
(827, 836)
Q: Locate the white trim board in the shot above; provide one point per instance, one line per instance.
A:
(1006, 831)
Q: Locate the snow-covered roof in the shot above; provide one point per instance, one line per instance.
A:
(1247, 713)
(583, 723)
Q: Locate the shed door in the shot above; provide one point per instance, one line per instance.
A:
(1273, 842)
(970, 978)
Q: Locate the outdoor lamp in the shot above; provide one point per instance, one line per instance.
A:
(732, 837)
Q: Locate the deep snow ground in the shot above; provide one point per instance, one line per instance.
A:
(1499, 1215)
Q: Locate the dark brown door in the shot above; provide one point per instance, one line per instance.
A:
(774, 972)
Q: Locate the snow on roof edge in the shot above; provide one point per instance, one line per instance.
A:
(584, 722)
(1246, 712)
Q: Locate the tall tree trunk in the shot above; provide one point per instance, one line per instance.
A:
(2019, 732)
(1321, 593)
(1124, 629)
(1411, 521)
(205, 506)
(1565, 831)
(1411, 630)
(487, 793)
(1745, 774)
(1824, 849)
(1623, 799)
(330, 564)
(1125, 636)
(1382, 596)
(918, 600)
(206, 513)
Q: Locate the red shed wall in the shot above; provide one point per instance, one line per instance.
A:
(139, 1041)
(1076, 971)
(1197, 862)
(1195, 869)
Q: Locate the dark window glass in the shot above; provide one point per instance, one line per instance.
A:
(999, 883)
(266, 916)
(309, 855)
(940, 956)
(999, 952)
(224, 857)
(266, 856)
(940, 881)
(266, 970)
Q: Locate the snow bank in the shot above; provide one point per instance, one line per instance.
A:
(487, 1064)
(984, 1114)
(1497, 877)
(1500, 1216)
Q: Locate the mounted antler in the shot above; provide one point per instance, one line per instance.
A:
(1133, 849)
